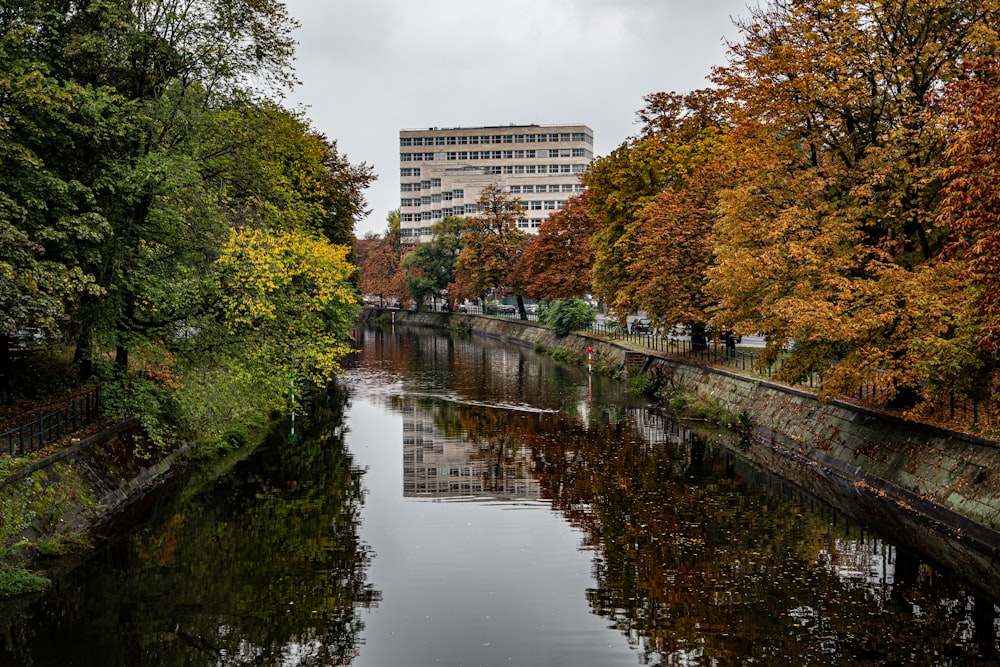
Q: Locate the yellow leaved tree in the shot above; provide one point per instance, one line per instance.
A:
(288, 295)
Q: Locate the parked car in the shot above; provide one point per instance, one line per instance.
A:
(27, 338)
(508, 309)
(641, 325)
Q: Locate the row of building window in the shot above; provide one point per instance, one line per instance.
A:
(409, 171)
(537, 205)
(425, 185)
(527, 223)
(459, 156)
(545, 137)
(531, 154)
(532, 169)
(552, 187)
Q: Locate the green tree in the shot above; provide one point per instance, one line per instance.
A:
(430, 267)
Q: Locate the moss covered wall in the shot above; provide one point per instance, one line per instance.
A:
(78, 487)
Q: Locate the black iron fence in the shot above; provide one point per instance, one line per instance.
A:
(32, 436)
(980, 412)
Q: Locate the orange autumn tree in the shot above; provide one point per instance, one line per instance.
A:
(670, 242)
(971, 200)
(557, 263)
(379, 259)
(830, 243)
(493, 245)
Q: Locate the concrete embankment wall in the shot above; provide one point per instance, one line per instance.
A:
(928, 475)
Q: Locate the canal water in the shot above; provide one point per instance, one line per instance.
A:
(461, 501)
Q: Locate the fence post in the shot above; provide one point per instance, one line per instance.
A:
(21, 449)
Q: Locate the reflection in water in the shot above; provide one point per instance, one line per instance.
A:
(262, 566)
(436, 464)
(699, 557)
(621, 538)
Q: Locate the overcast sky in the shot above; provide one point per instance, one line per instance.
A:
(370, 68)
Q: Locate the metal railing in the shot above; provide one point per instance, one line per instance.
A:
(50, 427)
(950, 409)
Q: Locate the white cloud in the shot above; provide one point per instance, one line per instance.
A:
(370, 68)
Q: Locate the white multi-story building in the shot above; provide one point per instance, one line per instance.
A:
(443, 170)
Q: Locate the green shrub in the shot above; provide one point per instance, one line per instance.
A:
(16, 581)
(565, 315)
(641, 384)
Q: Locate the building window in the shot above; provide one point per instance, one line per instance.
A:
(459, 194)
(529, 154)
(518, 138)
(578, 152)
(515, 189)
(508, 138)
(463, 140)
(452, 156)
(406, 141)
(568, 187)
(404, 157)
(463, 155)
(435, 182)
(536, 205)
(519, 169)
(554, 138)
(550, 205)
(439, 141)
(529, 138)
(529, 189)
(508, 169)
(564, 136)
(579, 168)
(406, 187)
(473, 140)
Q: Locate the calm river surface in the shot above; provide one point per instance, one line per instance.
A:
(467, 502)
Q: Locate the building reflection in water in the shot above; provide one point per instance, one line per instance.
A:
(441, 465)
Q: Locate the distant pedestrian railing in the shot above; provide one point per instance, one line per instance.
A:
(978, 412)
(52, 426)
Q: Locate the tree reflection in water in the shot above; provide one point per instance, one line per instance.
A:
(262, 566)
(702, 559)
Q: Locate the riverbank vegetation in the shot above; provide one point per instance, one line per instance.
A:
(164, 219)
(833, 188)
